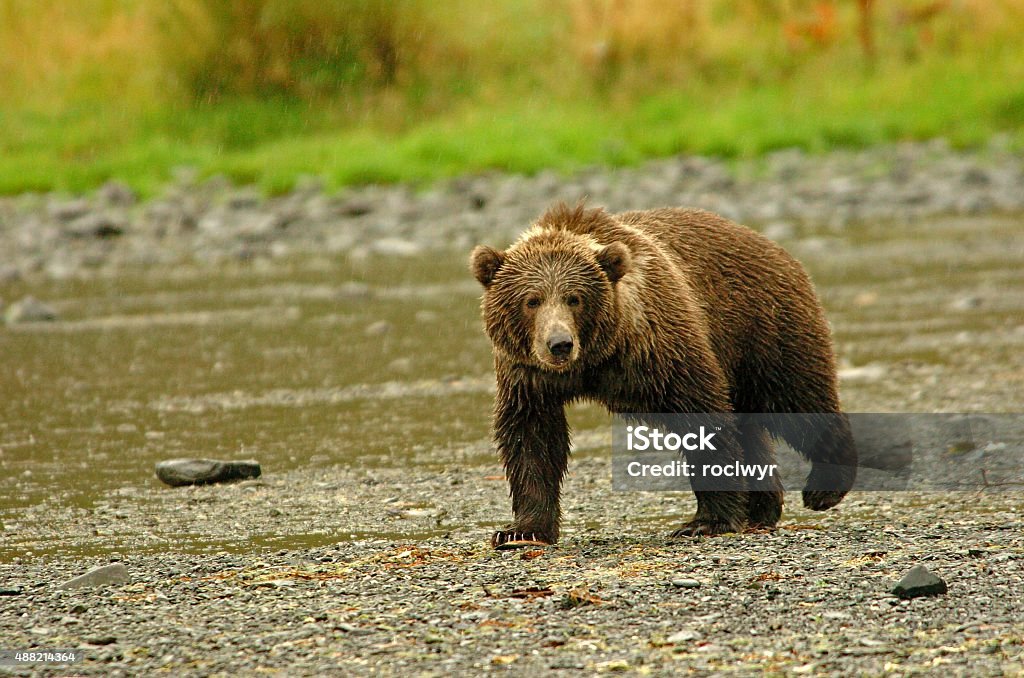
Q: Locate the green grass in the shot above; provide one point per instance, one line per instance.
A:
(272, 143)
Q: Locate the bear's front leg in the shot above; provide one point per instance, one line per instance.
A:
(722, 499)
(532, 435)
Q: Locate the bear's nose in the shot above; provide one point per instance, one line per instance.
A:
(560, 345)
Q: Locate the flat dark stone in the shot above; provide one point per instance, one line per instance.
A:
(10, 592)
(179, 472)
(919, 582)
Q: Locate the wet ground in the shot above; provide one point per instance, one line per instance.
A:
(311, 363)
(360, 363)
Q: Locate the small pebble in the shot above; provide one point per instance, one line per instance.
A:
(379, 328)
(684, 636)
(29, 310)
(686, 583)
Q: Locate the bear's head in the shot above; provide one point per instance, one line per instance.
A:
(550, 299)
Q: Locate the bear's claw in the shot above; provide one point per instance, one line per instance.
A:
(513, 539)
(704, 526)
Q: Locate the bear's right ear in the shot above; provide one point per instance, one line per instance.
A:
(485, 262)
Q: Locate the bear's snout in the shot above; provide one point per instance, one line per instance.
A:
(560, 344)
(555, 345)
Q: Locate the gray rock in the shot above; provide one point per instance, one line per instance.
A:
(116, 193)
(966, 303)
(179, 472)
(686, 583)
(684, 636)
(29, 310)
(115, 573)
(95, 225)
(919, 582)
(378, 328)
(354, 207)
(352, 629)
(975, 176)
(244, 199)
(69, 210)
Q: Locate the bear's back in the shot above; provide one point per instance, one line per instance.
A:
(723, 260)
(747, 286)
(754, 294)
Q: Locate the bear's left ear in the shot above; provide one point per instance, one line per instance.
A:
(614, 260)
(485, 262)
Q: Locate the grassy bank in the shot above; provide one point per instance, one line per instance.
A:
(129, 91)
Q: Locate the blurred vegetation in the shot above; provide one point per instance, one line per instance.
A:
(375, 90)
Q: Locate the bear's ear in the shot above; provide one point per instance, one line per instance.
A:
(485, 262)
(614, 260)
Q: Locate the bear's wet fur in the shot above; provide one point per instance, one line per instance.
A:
(659, 311)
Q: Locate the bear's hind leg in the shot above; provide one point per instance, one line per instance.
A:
(721, 500)
(718, 512)
(826, 440)
(764, 503)
(834, 468)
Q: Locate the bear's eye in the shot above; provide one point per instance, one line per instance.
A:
(572, 300)
(533, 302)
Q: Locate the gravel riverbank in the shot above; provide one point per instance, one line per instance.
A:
(813, 597)
(397, 577)
(211, 222)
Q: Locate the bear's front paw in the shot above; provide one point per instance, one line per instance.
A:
(706, 526)
(827, 484)
(514, 539)
(764, 509)
(822, 500)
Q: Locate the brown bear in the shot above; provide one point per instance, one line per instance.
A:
(660, 311)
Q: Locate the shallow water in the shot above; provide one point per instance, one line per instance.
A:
(382, 362)
(312, 362)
